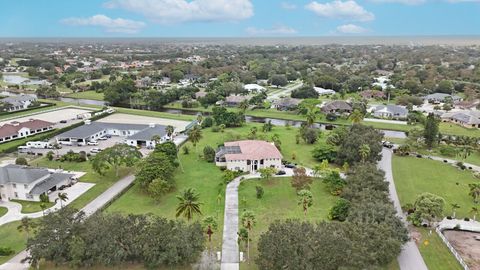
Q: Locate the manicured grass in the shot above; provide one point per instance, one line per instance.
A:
(87, 95)
(12, 238)
(435, 253)
(3, 211)
(473, 158)
(32, 207)
(453, 129)
(414, 176)
(279, 202)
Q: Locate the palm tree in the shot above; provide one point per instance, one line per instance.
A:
(474, 191)
(243, 105)
(194, 136)
(311, 115)
(62, 197)
(169, 130)
(454, 206)
(156, 138)
(26, 225)
(248, 222)
(305, 200)
(43, 206)
(253, 132)
(199, 118)
(465, 151)
(222, 127)
(474, 211)
(188, 204)
(364, 152)
(356, 116)
(210, 225)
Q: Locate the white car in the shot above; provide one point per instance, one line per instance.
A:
(102, 138)
(95, 150)
(92, 143)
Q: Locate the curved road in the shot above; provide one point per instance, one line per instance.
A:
(410, 257)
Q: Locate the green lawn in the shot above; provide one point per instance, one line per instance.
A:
(453, 129)
(12, 238)
(435, 252)
(32, 207)
(279, 203)
(3, 211)
(473, 158)
(414, 176)
(87, 95)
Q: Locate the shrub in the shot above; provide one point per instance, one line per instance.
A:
(21, 161)
(325, 152)
(457, 227)
(448, 151)
(74, 157)
(215, 129)
(207, 122)
(466, 219)
(185, 150)
(209, 153)
(6, 251)
(50, 155)
(260, 191)
(449, 217)
(44, 198)
(339, 210)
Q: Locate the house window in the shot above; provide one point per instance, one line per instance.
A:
(15, 194)
(28, 196)
(25, 186)
(14, 185)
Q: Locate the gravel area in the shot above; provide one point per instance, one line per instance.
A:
(464, 243)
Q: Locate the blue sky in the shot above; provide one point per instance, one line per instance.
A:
(233, 18)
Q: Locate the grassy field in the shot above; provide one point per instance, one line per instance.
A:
(452, 129)
(414, 176)
(3, 211)
(435, 252)
(87, 95)
(32, 207)
(279, 203)
(473, 158)
(11, 238)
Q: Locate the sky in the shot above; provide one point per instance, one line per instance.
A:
(237, 18)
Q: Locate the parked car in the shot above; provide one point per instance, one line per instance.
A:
(95, 150)
(92, 143)
(63, 121)
(102, 138)
(108, 136)
(290, 166)
(387, 144)
(281, 173)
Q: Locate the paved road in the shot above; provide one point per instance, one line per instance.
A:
(92, 207)
(286, 92)
(410, 257)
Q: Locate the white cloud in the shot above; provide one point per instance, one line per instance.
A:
(347, 10)
(288, 6)
(177, 11)
(108, 24)
(405, 2)
(279, 30)
(351, 29)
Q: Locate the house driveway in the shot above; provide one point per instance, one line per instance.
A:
(410, 257)
(15, 209)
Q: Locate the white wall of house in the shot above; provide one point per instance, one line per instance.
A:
(242, 165)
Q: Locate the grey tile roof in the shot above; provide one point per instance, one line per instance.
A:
(441, 96)
(394, 109)
(88, 130)
(148, 133)
(50, 182)
(18, 100)
(21, 174)
(465, 117)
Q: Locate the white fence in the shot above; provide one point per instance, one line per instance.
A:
(454, 252)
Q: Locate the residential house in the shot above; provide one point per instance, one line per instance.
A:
(390, 112)
(28, 183)
(465, 118)
(235, 100)
(324, 92)
(372, 94)
(254, 88)
(16, 130)
(17, 103)
(143, 82)
(337, 106)
(286, 104)
(248, 156)
(437, 98)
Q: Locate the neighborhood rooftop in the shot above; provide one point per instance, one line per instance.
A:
(88, 130)
(250, 149)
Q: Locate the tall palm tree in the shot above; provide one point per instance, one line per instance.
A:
(364, 152)
(311, 115)
(356, 116)
(169, 130)
(474, 210)
(195, 135)
(474, 191)
(248, 222)
(305, 199)
(188, 204)
(26, 225)
(62, 197)
(454, 206)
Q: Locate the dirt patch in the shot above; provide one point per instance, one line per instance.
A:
(465, 244)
